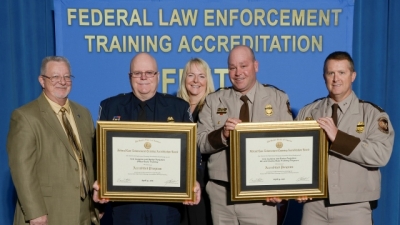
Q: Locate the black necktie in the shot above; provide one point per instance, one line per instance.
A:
(244, 114)
(78, 151)
(142, 112)
(334, 113)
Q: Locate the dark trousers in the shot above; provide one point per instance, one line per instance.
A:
(198, 214)
(146, 213)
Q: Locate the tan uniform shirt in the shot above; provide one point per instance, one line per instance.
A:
(363, 144)
(266, 104)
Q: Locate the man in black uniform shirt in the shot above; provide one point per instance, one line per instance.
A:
(145, 104)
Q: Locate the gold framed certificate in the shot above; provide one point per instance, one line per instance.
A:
(146, 161)
(278, 159)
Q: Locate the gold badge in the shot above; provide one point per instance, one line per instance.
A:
(360, 127)
(268, 110)
(383, 123)
(279, 144)
(170, 119)
(309, 118)
(221, 111)
(147, 145)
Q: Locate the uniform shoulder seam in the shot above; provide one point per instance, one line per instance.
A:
(374, 105)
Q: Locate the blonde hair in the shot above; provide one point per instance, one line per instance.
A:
(183, 93)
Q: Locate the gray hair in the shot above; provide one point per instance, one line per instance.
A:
(53, 59)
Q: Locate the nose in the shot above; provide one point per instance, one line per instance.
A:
(62, 80)
(143, 76)
(238, 71)
(334, 77)
(195, 78)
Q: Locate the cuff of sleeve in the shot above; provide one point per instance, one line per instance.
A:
(344, 143)
(215, 139)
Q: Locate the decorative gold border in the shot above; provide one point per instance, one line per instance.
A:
(293, 126)
(190, 129)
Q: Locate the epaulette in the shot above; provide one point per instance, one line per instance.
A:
(272, 86)
(316, 100)
(375, 106)
(223, 88)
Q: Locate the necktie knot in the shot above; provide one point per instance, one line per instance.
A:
(244, 98)
(63, 110)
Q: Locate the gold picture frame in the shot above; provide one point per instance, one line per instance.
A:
(278, 159)
(146, 161)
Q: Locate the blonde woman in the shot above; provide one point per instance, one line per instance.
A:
(195, 85)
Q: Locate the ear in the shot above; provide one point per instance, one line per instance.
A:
(256, 65)
(158, 79)
(353, 76)
(41, 81)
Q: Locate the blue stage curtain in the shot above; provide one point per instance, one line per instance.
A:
(376, 50)
(27, 36)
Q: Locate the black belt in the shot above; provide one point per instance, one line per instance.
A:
(221, 183)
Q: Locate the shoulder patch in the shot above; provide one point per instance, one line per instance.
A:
(383, 125)
(272, 86)
(223, 88)
(375, 106)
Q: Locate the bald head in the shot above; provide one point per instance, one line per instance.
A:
(144, 86)
(143, 58)
(243, 49)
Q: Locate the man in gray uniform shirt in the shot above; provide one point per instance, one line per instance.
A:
(218, 117)
(361, 137)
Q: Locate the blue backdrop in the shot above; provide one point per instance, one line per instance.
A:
(290, 38)
(28, 35)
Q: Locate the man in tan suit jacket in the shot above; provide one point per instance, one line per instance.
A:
(44, 166)
(220, 115)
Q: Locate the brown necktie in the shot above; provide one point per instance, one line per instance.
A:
(78, 151)
(334, 113)
(244, 114)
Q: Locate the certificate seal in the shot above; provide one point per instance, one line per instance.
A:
(279, 145)
(147, 145)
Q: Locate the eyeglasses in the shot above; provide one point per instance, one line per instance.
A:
(57, 78)
(149, 74)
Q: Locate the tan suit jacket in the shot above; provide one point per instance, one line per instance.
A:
(210, 120)
(361, 146)
(43, 165)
